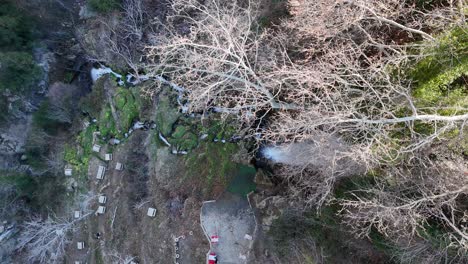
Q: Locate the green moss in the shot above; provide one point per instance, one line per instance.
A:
(450, 51)
(127, 106)
(183, 138)
(218, 128)
(145, 104)
(107, 123)
(440, 85)
(458, 142)
(212, 162)
(71, 156)
(180, 131)
(78, 156)
(120, 100)
(85, 138)
(439, 89)
(437, 75)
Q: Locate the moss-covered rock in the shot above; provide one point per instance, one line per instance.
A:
(166, 115)
(127, 106)
(183, 138)
(107, 123)
(78, 155)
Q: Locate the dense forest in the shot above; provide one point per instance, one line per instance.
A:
(350, 115)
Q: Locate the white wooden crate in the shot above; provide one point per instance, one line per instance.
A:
(101, 172)
(151, 212)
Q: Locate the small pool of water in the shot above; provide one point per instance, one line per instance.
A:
(243, 180)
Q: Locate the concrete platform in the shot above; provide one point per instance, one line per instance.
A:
(230, 218)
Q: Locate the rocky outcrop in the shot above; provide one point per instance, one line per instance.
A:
(14, 131)
(270, 209)
(12, 141)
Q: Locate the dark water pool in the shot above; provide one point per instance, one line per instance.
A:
(243, 180)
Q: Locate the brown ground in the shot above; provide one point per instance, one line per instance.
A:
(125, 229)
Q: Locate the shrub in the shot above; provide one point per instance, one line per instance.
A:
(15, 30)
(35, 189)
(92, 103)
(18, 71)
(50, 117)
(37, 147)
(24, 184)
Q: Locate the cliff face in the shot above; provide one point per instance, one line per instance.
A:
(55, 51)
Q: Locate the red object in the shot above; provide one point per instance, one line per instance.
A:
(212, 258)
(214, 239)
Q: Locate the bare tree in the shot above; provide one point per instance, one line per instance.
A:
(402, 206)
(45, 240)
(54, 160)
(216, 61)
(330, 69)
(133, 20)
(338, 84)
(312, 168)
(124, 38)
(10, 202)
(348, 91)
